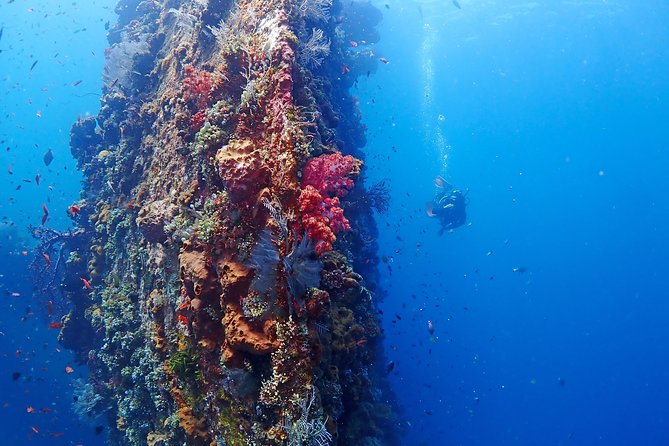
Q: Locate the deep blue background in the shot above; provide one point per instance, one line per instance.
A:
(554, 116)
(67, 39)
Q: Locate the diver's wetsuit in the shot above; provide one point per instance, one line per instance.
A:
(450, 208)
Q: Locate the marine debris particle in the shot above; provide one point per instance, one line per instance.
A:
(226, 241)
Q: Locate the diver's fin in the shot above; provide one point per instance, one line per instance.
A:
(441, 183)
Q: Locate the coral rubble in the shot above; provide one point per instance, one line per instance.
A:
(230, 266)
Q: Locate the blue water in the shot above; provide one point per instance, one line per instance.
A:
(37, 108)
(554, 116)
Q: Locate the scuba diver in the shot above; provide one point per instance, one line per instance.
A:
(449, 205)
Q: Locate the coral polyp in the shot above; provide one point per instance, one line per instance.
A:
(228, 300)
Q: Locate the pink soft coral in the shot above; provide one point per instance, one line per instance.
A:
(331, 174)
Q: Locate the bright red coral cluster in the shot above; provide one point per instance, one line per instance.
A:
(325, 179)
(198, 120)
(198, 86)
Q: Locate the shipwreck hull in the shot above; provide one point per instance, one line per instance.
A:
(225, 233)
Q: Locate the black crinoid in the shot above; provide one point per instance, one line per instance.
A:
(264, 260)
(301, 266)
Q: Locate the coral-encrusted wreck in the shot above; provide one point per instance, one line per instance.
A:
(231, 254)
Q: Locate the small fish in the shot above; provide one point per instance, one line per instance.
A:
(345, 69)
(87, 284)
(430, 327)
(55, 325)
(2, 30)
(77, 82)
(390, 367)
(74, 210)
(38, 177)
(519, 269)
(9, 169)
(456, 4)
(48, 157)
(354, 43)
(69, 370)
(34, 429)
(47, 259)
(30, 409)
(56, 434)
(33, 65)
(384, 60)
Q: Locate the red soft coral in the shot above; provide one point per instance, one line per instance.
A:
(198, 86)
(198, 120)
(322, 218)
(325, 179)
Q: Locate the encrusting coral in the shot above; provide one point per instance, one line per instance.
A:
(231, 262)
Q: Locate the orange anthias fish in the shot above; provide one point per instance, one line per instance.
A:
(47, 259)
(87, 284)
(30, 409)
(74, 210)
(345, 69)
(54, 325)
(69, 369)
